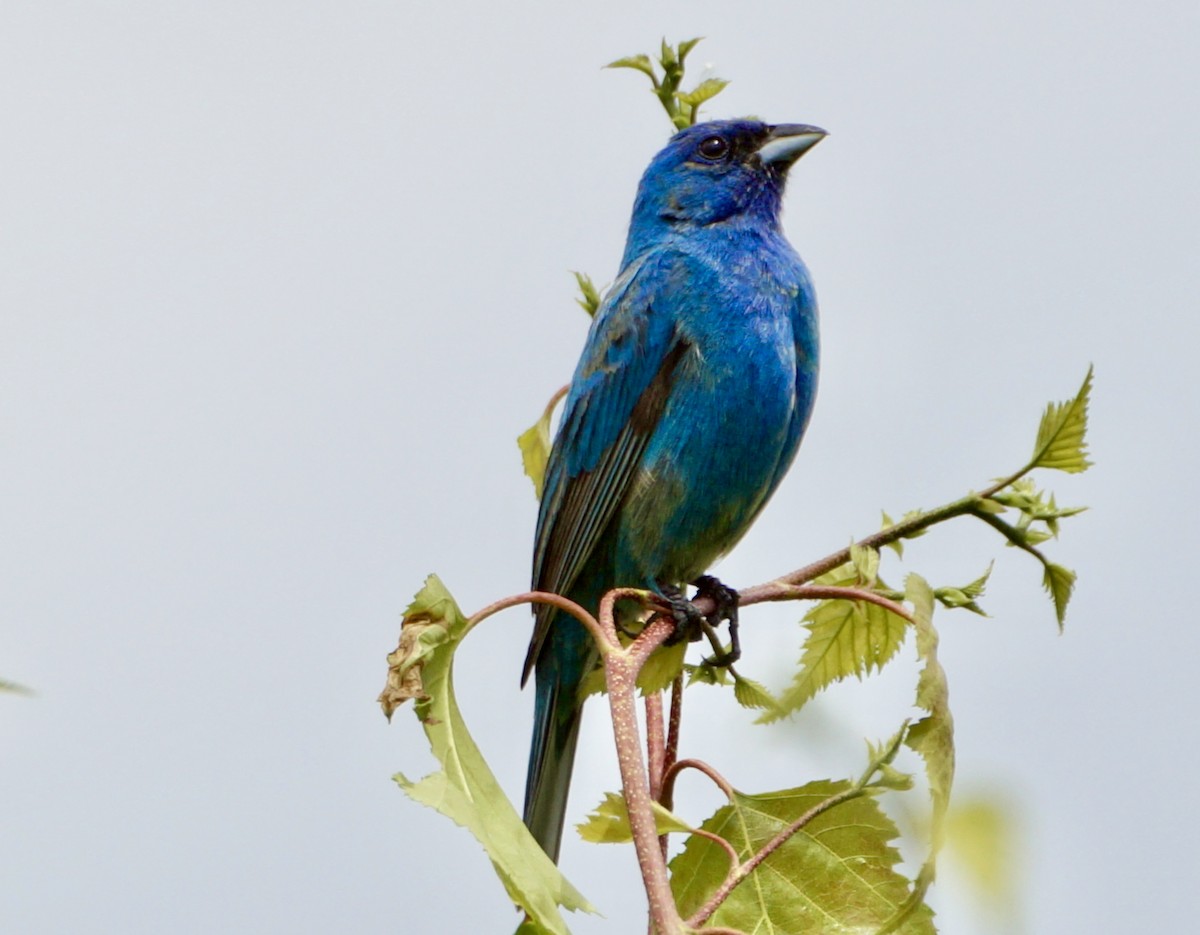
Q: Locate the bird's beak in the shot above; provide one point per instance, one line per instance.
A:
(787, 142)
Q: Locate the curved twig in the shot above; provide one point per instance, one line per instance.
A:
(676, 768)
(539, 597)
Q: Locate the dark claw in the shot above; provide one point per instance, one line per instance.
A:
(687, 619)
(725, 600)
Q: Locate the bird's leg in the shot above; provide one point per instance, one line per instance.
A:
(687, 619)
(725, 600)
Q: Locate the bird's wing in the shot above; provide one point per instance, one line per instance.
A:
(616, 400)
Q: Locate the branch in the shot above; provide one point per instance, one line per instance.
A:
(621, 667)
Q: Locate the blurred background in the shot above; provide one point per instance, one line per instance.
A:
(283, 282)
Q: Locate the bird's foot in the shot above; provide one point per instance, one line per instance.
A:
(689, 622)
(725, 600)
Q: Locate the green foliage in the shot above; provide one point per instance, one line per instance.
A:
(534, 444)
(932, 738)
(1060, 440)
(589, 295)
(14, 688)
(608, 822)
(835, 875)
(846, 637)
(465, 790)
(682, 107)
(965, 596)
(819, 858)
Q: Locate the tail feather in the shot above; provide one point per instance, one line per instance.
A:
(556, 719)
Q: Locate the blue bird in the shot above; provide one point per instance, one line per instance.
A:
(686, 409)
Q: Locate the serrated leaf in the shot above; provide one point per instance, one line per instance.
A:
(932, 738)
(751, 694)
(640, 63)
(1059, 582)
(706, 90)
(1061, 440)
(706, 675)
(608, 822)
(844, 638)
(835, 875)
(465, 790)
(662, 668)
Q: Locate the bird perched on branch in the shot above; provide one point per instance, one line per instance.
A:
(686, 408)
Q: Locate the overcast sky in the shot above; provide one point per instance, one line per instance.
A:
(281, 283)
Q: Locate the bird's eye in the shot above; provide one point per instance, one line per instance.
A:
(714, 147)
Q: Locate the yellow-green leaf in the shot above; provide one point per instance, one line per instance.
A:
(686, 46)
(932, 738)
(1061, 439)
(704, 91)
(589, 295)
(636, 62)
(662, 668)
(608, 823)
(866, 562)
(464, 789)
(751, 694)
(836, 874)
(534, 443)
(1059, 582)
(844, 638)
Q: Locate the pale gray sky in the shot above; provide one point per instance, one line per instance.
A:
(281, 284)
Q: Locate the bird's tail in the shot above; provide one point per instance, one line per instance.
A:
(557, 713)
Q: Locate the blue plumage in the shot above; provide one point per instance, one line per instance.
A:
(687, 406)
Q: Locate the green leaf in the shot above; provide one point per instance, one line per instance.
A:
(608, 823)
(534, 443)
(465, 790)
(706, 675)
(866, 564)
(640, 63)
(1061, 442)
(881, 773)
(662, 668)
(686, 46)
(844, 638)
(932, 738)
(835, 875)
(751, 694)
(1059, 582)
(706, 90)
(14, 688)
(965, 596)
(897, 545)
(589, 295)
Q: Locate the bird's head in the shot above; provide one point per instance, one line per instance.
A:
(719, 171)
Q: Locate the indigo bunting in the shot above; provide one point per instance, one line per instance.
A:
(686, 408)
